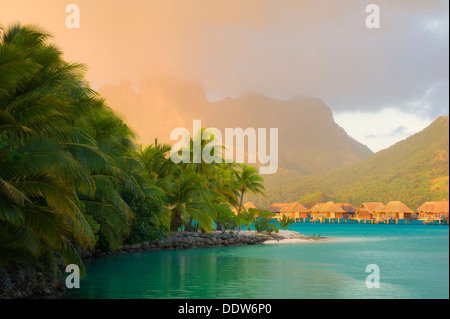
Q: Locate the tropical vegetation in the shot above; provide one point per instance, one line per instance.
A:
(72, 178)
(412, 171)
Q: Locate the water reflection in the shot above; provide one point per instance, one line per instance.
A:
(204, 273)
(413, 265)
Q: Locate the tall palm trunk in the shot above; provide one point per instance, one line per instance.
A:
(188, 225)
(176, 221)
(240, 205)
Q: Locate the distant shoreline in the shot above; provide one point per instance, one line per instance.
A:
(283, 236)
(193, 240)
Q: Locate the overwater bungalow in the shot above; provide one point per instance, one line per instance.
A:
(425, 211)
(327, 210)
(367, 210)
(393, 210)
(433, 210)
(291, 210)
(315, 211)
(349, 209)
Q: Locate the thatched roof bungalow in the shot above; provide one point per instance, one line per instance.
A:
(426, 210)
(348, 208)
(292, 210)
(327, 210)
(315, 211)
(434, 210)
(395, 210)
(367, 210)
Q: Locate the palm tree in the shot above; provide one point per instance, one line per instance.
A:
(39, 209)
(67, 146)
(120, 171)
(225, 189)
(38, 204)
(226, 183)
(189, 198)
(155, 161)
(157, 177)
(208, 170)
(249, 181)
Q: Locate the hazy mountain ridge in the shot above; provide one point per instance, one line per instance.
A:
(309, 139)
(413, 171)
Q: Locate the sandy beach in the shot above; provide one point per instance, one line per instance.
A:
(282, 237)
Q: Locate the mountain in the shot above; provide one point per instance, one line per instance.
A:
(413, 171)
(309, 141)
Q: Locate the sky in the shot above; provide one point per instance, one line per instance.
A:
(382, 84)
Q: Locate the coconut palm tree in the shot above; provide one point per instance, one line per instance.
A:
(60, 144)
(249, 181)
(38, 204)
(188, 198)
(204, 138)
(155, 160)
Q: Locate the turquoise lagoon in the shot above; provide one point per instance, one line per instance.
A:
(413, 261)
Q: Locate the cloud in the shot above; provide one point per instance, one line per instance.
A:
(284, 48)
(380, 129)
(401, 130)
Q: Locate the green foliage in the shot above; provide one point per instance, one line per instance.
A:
(61, 151)
(412, 171)
(188, 199)
(248, 181)
(263, 223)
(246, 218)
(7, 152)
(143, 227)
(71, 176)
(226, 218)
(95, 227)
(285, 222)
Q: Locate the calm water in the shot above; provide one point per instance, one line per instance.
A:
(413, 262)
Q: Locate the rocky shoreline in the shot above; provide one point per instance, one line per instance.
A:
(190, 240)
(32, 282)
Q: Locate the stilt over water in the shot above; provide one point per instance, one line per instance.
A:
(393, 213)
(373, 221)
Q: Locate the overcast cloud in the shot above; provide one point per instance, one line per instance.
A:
(318, 48)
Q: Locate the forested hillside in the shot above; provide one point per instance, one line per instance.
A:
(413, 171)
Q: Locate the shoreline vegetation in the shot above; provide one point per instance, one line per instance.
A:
(73, 180)
(191, 240)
